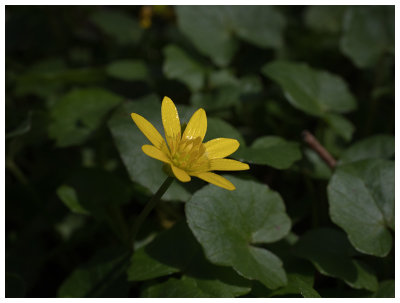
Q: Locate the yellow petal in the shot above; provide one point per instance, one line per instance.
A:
(148, 130)
(197, 125)
(220, 147)
(216, 180)
(172, 125)
(227, 164)
(155, 153)
(180, 174)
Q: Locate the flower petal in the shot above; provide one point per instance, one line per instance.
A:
(227, 164)
(155, 153)
(197, 125)
(220, 147)
(172, 125)
(180, 174)
(148, 130)
(216, 180)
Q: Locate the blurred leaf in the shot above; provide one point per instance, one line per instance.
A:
(229, 225)
(217, 128)
(23, 128)
(361, 199)
(261, 25)
(68, 195)
(188, 287)
(69, 225)
(221, 98)
(95, 191)
(178, 65)
(312, 91)
(340, 125)
(331, 254)
(222, 77)
(375, 147)
(118, 25)
(368, 33)
(251, 84)
(208, 28)
(97, 277)
(129, 139)
(325, 18)
(47, 77)
(386, 290)
(128, 70)
(176, 250)
(271, 151)
(298, 284)
(171, 251)
(317, 168)
(78, 113)
(212, 28)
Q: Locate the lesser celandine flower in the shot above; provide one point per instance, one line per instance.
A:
(186, 153)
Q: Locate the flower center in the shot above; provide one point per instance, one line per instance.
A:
(190, 154)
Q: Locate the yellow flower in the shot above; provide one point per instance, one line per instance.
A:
(186, 153)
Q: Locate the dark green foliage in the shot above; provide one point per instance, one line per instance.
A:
(77, 179)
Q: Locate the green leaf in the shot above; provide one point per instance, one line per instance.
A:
(340, 125)
(174, 288)
(260, 25)
(99, 277)
(23, 128)
(207, 27)
(46, 78)
(68, 195)
(375, 147)
(331, 254)
(217, 128)
(315, 166)
(94, 191)
(78, 113)
(178, 65)
(272, 151)
(188, 287)
(297, 284)
(176, 250)
(129, 139)
(368, 33)
(128, 70)
(325, 18)
(170, 252)
(221, 98)
(386, 290)
(212, 29)
(229, 225)
(118, 25)
(361, 199)
(312, 91)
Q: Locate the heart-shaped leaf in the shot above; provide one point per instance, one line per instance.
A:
(361, 200)
(230, 225)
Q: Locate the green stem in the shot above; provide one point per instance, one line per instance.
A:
(149, 207)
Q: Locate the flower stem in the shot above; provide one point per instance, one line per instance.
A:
(148, 208)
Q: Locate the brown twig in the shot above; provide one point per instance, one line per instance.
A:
(319, 149)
